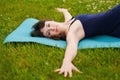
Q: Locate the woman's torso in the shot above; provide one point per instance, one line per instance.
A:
(107, 23)
(76, 27)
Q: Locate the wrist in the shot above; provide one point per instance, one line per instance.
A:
(66, 60)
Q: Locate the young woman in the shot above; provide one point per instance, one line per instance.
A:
(76, 28)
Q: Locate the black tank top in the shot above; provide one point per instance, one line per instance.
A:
(71, 22)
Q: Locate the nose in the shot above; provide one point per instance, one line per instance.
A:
(52, 28)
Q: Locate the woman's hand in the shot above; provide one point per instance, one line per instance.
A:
(61, 9)
(67, 68)
(65, 12)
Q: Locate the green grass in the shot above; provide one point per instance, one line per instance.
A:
(32, 61)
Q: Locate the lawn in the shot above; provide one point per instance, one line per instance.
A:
(32, 61)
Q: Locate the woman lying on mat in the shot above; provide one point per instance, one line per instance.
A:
(76, 28)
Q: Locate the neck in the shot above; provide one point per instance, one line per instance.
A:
(64, 27)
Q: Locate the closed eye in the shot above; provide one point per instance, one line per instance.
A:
(48, 25)
(48, 33)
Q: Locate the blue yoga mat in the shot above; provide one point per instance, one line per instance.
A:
(22, 34)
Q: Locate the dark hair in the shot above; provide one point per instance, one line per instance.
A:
(37, 33)
(37, 27)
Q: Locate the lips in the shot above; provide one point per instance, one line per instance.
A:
(56, 29)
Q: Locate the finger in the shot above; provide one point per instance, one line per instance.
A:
(70, 73)
(57, 70)
(60, 72)
(65, 74)
(75, 69)
(57, 9)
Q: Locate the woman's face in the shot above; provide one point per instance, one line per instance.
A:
(50, 29)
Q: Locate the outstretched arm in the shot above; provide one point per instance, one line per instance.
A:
(65, 12)
(70, 53)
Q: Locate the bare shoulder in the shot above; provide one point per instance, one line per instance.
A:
(76, 31)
